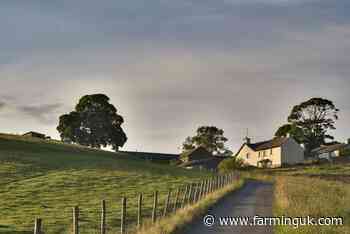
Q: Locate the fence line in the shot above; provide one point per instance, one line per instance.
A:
(175, 199)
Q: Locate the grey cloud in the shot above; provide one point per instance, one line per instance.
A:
(46, 113)
(232, 63)
(2, 105)
(57, 25)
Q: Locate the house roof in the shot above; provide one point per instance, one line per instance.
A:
(209, 162)
(264, 145)
(198, 149)
(329, 148)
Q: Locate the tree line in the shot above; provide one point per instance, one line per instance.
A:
(95, 122)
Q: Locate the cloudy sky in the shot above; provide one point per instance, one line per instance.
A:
(170, 66)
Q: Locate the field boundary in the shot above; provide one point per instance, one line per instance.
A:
(176, 200)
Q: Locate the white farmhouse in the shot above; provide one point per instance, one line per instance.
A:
(272, 153)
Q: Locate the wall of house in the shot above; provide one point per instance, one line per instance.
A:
(273, 154)
(255, 157)
(292, 152)
(336, 153)
(252, 159)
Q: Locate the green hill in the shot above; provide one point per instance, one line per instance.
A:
(46, 179)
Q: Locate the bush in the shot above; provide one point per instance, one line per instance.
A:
(231, 164)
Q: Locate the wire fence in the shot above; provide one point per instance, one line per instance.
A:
(132, 213)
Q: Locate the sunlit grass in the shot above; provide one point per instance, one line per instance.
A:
(46, 179)
(301, 197)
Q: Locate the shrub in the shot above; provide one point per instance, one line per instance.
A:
(231, 164)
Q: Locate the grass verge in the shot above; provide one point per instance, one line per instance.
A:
(301, 197)
(176, 222)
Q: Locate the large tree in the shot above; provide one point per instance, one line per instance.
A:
(211, 138)
(292, 130)
(94, 123)
(310, 121)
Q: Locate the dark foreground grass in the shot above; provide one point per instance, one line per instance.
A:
(41, 179)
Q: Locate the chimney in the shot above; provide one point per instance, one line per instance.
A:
(247, 140)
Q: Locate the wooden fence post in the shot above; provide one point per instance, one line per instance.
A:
(76, 220)
(214, 184)
(195, 189)
(176, 200)
(198, 192)
(206, 186)
(123, 217)
(37, 226)
(190, 194)
(201, 190)
(167, 201)
(139, 212)
(210, 185)
(103, 217)
(183, 203)
(154, 211)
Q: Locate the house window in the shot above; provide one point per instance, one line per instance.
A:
(264, 153)
(270, 151)
(247, 156)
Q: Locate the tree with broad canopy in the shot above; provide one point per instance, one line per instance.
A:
(94, 123)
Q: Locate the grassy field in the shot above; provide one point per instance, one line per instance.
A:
(301, 197)
(41, 179)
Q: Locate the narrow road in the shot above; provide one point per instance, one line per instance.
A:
(255, 198)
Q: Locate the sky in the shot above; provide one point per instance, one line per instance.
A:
(172, 66)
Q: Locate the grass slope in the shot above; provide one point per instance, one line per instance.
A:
(41, 179)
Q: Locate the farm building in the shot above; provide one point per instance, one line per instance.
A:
(330, 152)
(208, 164)
(200, 158)
(271, 153)
(199, 153)
(35, 134)
(148, 156)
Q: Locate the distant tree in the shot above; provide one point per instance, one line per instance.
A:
(310, 122)
(94, 123)
(209, 137)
